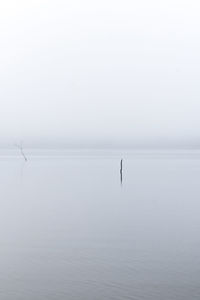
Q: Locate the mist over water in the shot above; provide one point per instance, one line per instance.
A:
(100, 74)
(70, 230)
(82, 224)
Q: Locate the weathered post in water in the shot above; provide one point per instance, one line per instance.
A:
(121, 171)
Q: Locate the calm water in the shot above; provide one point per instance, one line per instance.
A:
(70, 230)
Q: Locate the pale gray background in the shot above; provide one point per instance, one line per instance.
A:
(100, 73)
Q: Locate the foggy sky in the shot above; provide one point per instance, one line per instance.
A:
(100, 73)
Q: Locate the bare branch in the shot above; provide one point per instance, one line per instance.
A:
(20, 147)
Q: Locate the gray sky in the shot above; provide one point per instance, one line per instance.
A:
(100, 73)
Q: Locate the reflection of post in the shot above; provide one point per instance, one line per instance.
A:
(121, 171)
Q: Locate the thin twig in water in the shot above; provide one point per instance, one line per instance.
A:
(20, 147)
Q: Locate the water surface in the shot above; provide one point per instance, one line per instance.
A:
(70, 230)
